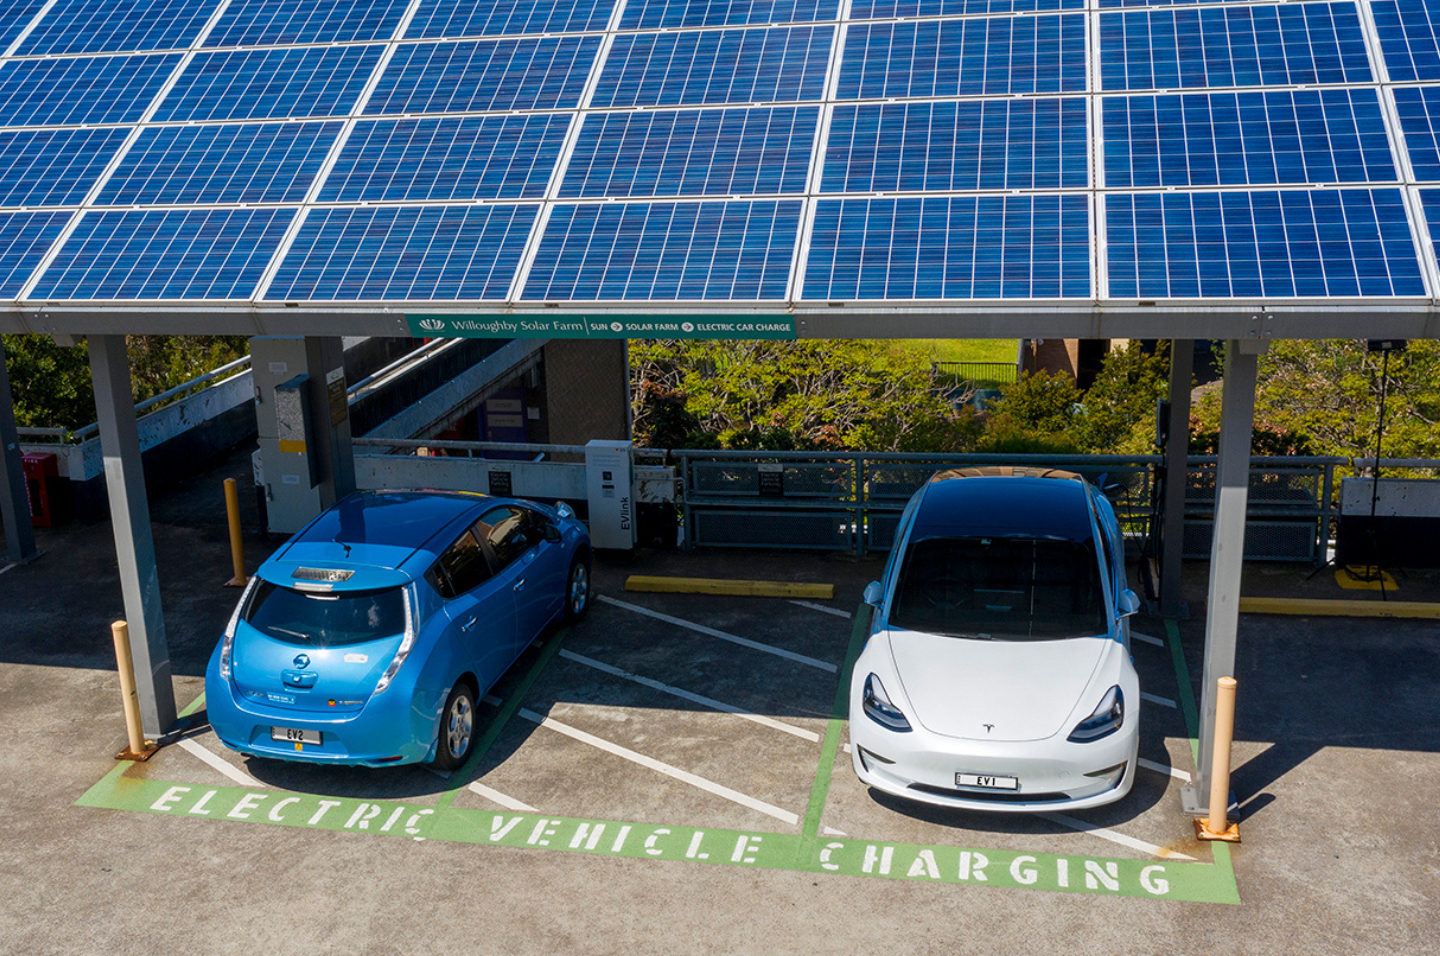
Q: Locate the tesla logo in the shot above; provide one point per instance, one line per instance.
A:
(302, 660)
(432, 325)
(988, 727)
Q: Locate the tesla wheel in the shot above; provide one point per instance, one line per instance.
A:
(577, 589)
(457, 729)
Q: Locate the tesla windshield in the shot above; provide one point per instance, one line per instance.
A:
(1001, 588)
(326, 620)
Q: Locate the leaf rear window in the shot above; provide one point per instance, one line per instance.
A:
(325, 620)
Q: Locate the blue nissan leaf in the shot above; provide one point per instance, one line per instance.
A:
(371, 634)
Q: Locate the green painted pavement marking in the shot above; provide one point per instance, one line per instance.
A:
(1187, 695)
(194, 705)
(1146, 879)
(821, 787)
(507, 710)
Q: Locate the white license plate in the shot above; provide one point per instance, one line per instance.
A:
(986, 782)
(295, 735)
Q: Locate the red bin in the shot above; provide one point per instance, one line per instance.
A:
(41, 471)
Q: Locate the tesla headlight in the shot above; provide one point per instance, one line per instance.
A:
(406, 642)
(879, 709)
(227, 642)
(1106, 719)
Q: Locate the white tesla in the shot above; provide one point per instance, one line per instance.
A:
(997, 675)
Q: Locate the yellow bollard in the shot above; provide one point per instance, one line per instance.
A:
(1217, 826)
(140, 748)
(237, 546)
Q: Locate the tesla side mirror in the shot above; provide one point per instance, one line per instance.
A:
(1129, 602)
(552, 534)
(873, 594)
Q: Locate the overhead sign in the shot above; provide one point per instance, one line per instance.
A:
(601, 327)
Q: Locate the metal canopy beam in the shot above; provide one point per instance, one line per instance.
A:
(130, 518)
(14, 502)
(1227, 548)
(1177, 448)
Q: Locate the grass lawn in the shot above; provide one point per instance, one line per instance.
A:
(964, 350)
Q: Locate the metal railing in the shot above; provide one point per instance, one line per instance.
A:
(1003, 373)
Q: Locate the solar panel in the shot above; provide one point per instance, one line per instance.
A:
(259, 22)
(1292, 243)
(975, 144)
(406, 252)
(492, 157)
(1237, 139)
(1233, 46)
(693, 153)
(655, 14)
(14, 17)
(265, 84)
(24, 239)
(468, 18)
(232, 163)
(99, 26)
(485, 75)
(166, 254)
(666, 251)
(54, 167)
(81, 89)
(964, 57)
(964, 247)
(1409, 38)
(1419, 109)
(886, 9)
(715, 66)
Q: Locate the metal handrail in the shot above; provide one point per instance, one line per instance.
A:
(373, 381)
(468, 445)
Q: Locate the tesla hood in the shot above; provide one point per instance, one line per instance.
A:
(995, 690)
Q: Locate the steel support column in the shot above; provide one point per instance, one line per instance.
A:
(1227, 548)
(14, 502)
(1177, 448)
(130, 518)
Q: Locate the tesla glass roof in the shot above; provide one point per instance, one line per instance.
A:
(884, 154)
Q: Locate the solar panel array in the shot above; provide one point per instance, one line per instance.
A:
(428, 153)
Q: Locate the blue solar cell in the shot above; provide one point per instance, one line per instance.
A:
(485, 75)
(493, 157)
(964, 247)
(985, 144)
(716, 66)
(1329, 242)
(166, 254)
(1043, 54)
(15, 16)
(1430, 203)
(666, 251)
(887, 9)
(1111, 4)
(100, 26)
(1409, 38)
(407, 252)
(269, 84)
(182, 165)
(262, 22)
(1233, 46)
(54, 167)
(1419, 109)
(111, 89)
(25, 237)
(1238, 139)
(654, 14)
(473, 18)
(693, 153)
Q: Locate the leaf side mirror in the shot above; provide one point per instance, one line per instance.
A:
(1129, 603)
(874, 593)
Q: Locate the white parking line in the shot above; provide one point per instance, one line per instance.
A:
(6, 568)
(495, 796)
(1147, 638)
(831, 831)
(1162, 701)
(220, 764)
(820, 607)
(1161, 768)
(684, 776)
(710, 702)
(743, 642)
(1113, 837)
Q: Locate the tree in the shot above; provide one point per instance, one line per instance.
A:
(1117, 414)
(1034, 415)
